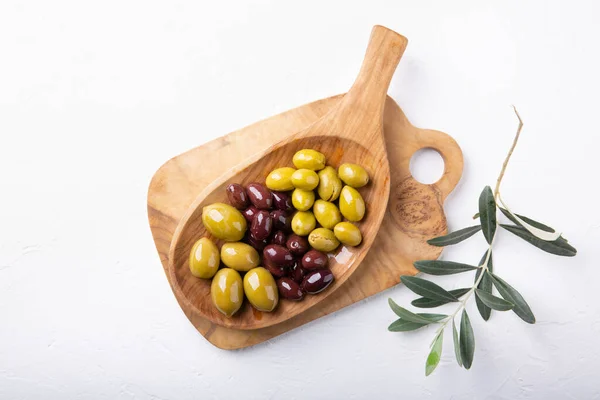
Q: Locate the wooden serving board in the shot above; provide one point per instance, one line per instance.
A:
(414, 213)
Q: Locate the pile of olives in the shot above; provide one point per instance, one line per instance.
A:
(288, 225)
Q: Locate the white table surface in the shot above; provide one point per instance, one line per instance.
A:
(95, 96)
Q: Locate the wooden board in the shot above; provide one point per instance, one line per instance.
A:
(414, 213)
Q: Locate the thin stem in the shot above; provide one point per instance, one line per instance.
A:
(497, 190)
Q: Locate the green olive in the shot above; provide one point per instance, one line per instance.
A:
(204, 259)
(224, 222)
(330, 184)
(280, 179)
(305, 179)
(326, 213)
(353, 175)
(323, 239)
(352, 205)
(303, 199)
(239, 256)
(309, 159)
(303, 223)
(348, 234)
(227, 291)
(261, 289)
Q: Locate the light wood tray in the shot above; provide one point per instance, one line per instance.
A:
(414, 213)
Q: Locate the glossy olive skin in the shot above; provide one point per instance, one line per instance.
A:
(348, 234)
(352, 205)
(303, 199)
(262, 224)
(314, 259)
(261, 290)
(353, 175)
(224, 222)
(289, 289)
(330, 185)
(280, 179)
(323, 239)
(297, 272)
(305, 179)
(297, 245)
(237, 196)
(249, 213)
(275, 254)
(276, 270)
(282, 201)
(239, 256)
(309, 159)
(227, 291)
(259, 245)
(282, 220)
(317, 281)
(326, 213)
(303, 223)
(279, 238)
(204, 259)
(260, 196)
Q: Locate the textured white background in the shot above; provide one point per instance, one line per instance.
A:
(95, 96)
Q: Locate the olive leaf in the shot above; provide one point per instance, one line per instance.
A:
(485, 284)
(438, 267)
(511, 294)
(427, 288)
(433, 359)
(487, 213)
(539, 233)
(455, 237)
(467, 341)
(559, 247)
(412, 317)
(424, 302)
(530, 221)
(402, 325)
(456, 343)
(493, 302)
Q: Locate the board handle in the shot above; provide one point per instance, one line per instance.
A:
(451, 153)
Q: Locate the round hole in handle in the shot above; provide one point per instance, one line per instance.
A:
(427, 165)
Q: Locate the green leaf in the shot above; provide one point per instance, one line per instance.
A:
(455, 237)
(521, 307)
(476, 216)
(433, 359)
(485, 284)
(530, 221)
(467, 341)
(424, 302)
(402, 325)
(427, 288)
(487, 213)
(559, 247)
(493, 302)
(437, 267)
(456, 344)
(407, 315)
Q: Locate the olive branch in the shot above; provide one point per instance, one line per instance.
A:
(433, 295)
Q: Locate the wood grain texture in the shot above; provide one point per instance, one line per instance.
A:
(351, 132)
(413, 215)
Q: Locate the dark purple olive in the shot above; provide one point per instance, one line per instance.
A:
(282, 220)
(249, 213)
(237, 196)
(276, 271)
(297, 245)
(289, 289)
(261, 225)
(260, 196)
(316, 281)
(259, 245)
(314, 259)
(297, 272)
(282, 201)
(279, 238)
(275, 254)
